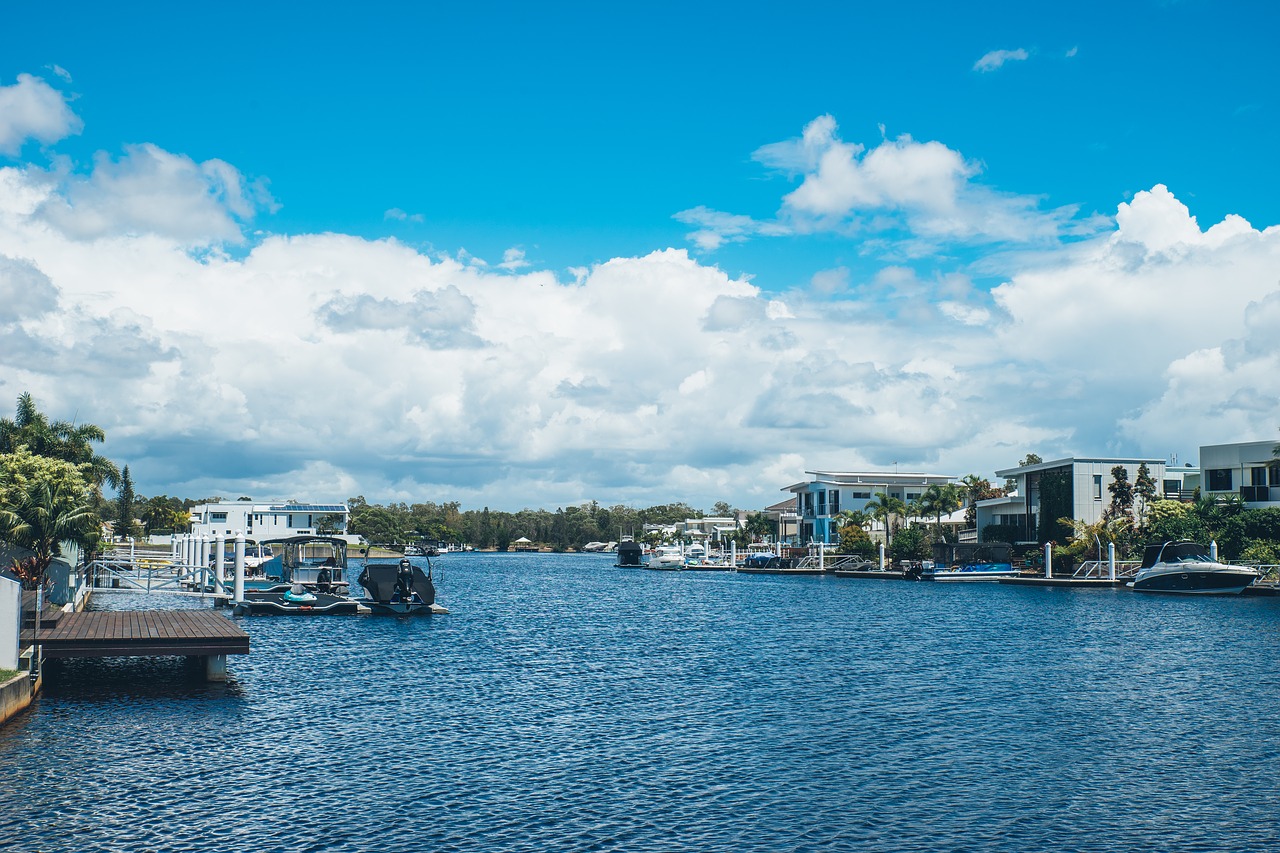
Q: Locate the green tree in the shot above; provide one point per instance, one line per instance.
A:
(1144, 491)
(855, 540)
(58, 440)
(46, 513)
(910, 543)
(1121, 494)
(977, 489)
(884, 507)
(125, 500)
(1056, 503)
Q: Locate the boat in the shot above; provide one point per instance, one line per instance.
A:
(309, 579)
(630, 555)
(1186, 567)
(669, 558)
(398, 589)
(968, 562)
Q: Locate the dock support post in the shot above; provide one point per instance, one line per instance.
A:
(215, 667)
(882, 556)
(733, 552)
(1213, 550)
(202, 575)
(239, 566)
(822, 551)
(1111, 560)
(220, 562)
(1048, 559)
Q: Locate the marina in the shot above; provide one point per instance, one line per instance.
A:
(572, 705)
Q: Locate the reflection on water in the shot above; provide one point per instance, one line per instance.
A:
(568, 705)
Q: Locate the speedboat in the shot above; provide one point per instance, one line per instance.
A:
(969, 572)
(1186, 567)
(668, 558)
(401, 589)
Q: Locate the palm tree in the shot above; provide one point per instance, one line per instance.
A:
(58, 440)
(884, 507)
(940, 500)
(855, 517)
(45, 514)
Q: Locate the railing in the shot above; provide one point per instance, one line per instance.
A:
(118, 573)
(1101, 569)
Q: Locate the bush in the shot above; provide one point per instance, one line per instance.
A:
(855, 540)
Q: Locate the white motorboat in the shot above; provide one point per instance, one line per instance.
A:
(667, 558)
(1187, 568)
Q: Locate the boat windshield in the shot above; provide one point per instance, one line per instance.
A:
(1179, 552)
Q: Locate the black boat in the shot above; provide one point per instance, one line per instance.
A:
(630, 555)
(398, 589)
(1186, 567)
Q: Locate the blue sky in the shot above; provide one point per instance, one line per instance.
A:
(929, 234)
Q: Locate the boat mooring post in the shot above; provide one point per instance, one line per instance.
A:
(1048, 559)
(220, 561)
(1111, 560)
(1213, 550)
(239, 566)
(733, 552)
(882, 556)
(202, 574)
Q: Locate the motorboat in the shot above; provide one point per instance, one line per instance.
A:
(398, 589)
(1186, 567)
(968, 561)
(668, 558)
(630, 555)
(308, 577)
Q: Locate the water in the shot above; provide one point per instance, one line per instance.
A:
(567, 705)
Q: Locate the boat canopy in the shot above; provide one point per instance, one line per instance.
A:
(965, 553)
(1181, 551)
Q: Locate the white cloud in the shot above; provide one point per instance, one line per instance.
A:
(32, 109)
(401, 216)
(997, 58)
(152, 191)
(1072, 52)
(830, 281)
(513, 259)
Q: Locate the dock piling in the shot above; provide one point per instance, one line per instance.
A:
(1048, 559)
(239, 591)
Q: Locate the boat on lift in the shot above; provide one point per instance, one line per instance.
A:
(1187, 568)
(398, 589)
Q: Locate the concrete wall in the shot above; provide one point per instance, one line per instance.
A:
(10, 615)
(16, 694)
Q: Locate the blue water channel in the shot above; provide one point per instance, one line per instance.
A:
(568, 705)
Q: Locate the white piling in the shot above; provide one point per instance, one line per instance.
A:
(1213, 550)
(1048, 559)
(220, 561)
(239, 566)
(1111, 560)
(882, 556)
(132, 554)
(822, 551)
(733, 552)
(202, 574)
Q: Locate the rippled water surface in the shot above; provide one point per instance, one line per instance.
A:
(568, 705)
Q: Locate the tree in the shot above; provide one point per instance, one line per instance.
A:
(1144, 490)
(125, 505)
(854, 540)
(884, 507)
(977, 489)
(1121, 494)
(46, 513)
(940, 500)
(1056, 503)
(722, 509)
(57, 440)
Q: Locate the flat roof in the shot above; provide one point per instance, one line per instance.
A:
(1072, 460)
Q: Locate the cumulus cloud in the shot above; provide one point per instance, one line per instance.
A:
(997, 58)
(25, 291)
(32, 109)
(401, 216)
(152, 191)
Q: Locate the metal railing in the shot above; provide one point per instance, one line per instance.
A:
(146, 573)
(1101, 569)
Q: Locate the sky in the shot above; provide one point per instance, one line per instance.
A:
(531, 255)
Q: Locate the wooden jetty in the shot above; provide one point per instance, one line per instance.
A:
(146, 633)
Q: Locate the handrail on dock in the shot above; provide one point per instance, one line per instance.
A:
(1102, 569)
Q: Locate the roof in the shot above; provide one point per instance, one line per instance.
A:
(307, 508)
(1070, 461)
(870, 478)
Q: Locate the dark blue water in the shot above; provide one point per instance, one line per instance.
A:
(567, 705)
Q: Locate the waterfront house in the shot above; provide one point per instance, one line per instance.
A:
(1249, 469)
(272, 520)
(1082, 492)
(786, 519)
(820, 500)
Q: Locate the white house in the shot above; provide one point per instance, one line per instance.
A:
(822, 498)
(1087, 480)
(1248, 469)
(262, 521)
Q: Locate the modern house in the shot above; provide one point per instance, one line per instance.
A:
(1249, 469)
(1077, 488)
(786, 518)
(821, 499)
(262, 521)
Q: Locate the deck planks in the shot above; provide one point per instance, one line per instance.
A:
(143, 632)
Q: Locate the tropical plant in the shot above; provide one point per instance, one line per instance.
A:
(1121, 494)
(939, 500)
(886, 508)
(976, 489)
(45, 514)
(58, 440)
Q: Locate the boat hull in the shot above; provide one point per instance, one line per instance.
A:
(1196, 581)
(974, 572)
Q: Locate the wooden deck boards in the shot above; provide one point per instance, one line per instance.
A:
(143, 632)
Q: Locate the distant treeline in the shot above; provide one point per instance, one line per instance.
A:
(564, 529)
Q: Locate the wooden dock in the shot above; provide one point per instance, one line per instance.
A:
(147, 633)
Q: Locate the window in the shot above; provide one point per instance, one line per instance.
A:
(215, 517)
(822, 503)
(1219, 479)
(1097, 487)
(860, 496)
(1275, 475)
(835, 501)
(913, 496)
(1172, 487)
(1257, 476)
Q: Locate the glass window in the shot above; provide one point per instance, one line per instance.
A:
(1219, 479)
(835, 501)
(217, 516)
(1258, 476)
(1275, 475)
(1097, 487)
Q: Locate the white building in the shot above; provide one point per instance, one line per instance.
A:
(262, 521)
(1086, 479)
(1248, 469)
(821, 499)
